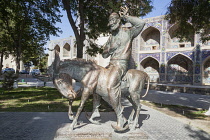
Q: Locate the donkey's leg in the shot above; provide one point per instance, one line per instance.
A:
(89, 83)
(96, 104)
(85, 94)
(135, 96)
(130, 119)
(95, 112)
(70, 113)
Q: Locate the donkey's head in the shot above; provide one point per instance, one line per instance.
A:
(62, 81)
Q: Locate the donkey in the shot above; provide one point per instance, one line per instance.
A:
(93, 78)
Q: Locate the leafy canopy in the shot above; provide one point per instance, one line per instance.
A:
(27, 25)
(192, 16)
(91, 18)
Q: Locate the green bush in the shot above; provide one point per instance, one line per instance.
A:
(8, 80)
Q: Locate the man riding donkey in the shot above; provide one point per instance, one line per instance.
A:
(92, 76)
(118, 47)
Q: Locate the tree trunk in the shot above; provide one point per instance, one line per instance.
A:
(82, 28)
(17, 64)
(1, 61)
(18, 55)
(78, 32)
(80, 48)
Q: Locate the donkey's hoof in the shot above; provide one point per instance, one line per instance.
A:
(119, 129)
(90, 119)
(94, 121)
(71, 117)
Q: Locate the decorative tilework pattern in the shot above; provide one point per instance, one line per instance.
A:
(205, 54)
(190, 54)
(163, 55)
(198, 52)
(163, 41)
(197, 69)
(162, 77)
(157, 24)
(154, 55)
(197, 78)
(162, 68)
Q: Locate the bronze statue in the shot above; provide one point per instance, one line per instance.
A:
(118, 47)
(108, 83)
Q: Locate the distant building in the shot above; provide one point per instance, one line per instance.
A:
(68, 50)
(156, 51)
(9, 62)
(167, 60)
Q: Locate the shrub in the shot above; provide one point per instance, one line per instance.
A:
(8, 80)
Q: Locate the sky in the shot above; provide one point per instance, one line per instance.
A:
(160, 7)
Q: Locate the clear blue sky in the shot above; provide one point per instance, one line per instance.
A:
(160, 7)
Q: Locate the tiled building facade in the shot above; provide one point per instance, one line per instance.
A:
(167, 60)
(158, 52)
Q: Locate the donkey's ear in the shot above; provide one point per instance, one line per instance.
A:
(56, 61)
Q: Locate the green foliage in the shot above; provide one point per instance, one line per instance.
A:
(192, 16)
(27, 25)
(93, 17)
(43, 62)
(8, 80)
(93, 49)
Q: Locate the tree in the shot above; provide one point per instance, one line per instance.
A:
(4, 44)
(28, 23)
(90, 17)
(43, 63)
(192, 16)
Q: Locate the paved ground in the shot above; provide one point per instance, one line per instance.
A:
(157, 126)
(184, 99)
(45, 125)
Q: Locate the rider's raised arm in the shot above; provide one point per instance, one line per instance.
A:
(137, 25)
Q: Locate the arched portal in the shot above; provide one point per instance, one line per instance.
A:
(180, 70)
(151, 67)
(175, 43)
(150, 39)
(66, 50)
(206, 71)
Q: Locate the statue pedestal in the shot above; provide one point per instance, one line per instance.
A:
(87, 131)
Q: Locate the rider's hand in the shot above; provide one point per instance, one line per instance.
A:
(123, 11)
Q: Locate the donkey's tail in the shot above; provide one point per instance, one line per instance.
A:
(148, 81)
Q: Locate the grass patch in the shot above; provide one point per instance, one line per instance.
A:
(42, 99)
(191, 113)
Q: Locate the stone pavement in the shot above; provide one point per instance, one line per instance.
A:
(184, 99)
(47, 126)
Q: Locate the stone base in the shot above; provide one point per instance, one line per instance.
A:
(88, 131)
